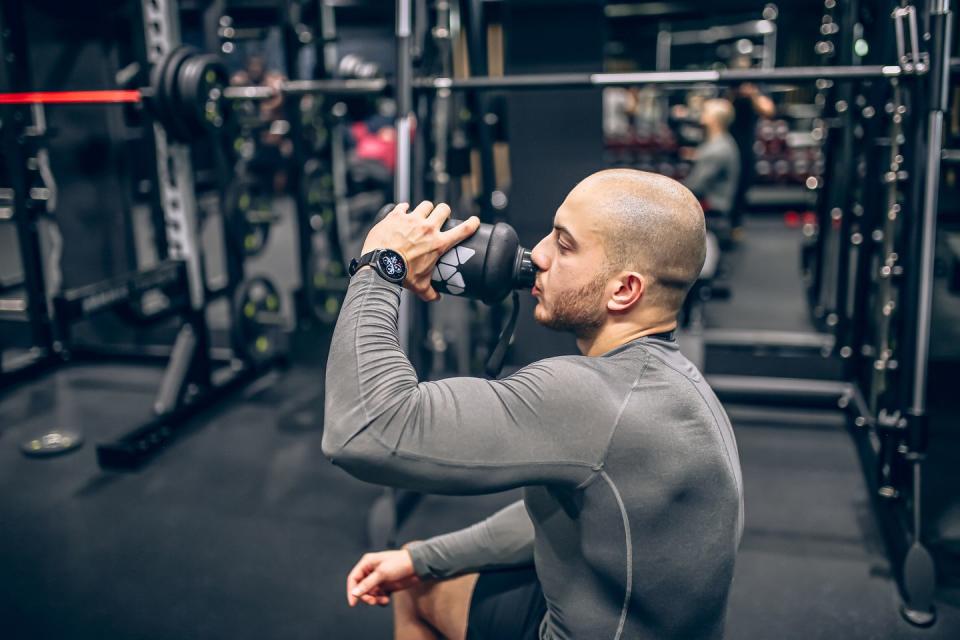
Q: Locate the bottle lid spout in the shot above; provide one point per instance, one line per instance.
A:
(525, 272)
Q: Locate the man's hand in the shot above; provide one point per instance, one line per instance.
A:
(749, 90)
(417, 237)
(377, 575)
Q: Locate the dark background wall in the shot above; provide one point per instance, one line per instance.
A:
(555, 136)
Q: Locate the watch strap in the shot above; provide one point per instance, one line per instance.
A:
(362, 261)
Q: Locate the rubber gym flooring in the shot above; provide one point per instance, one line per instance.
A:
(243, 530)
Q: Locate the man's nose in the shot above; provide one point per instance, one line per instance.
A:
(539, 255)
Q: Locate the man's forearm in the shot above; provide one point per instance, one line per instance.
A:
(365, 368)
(503, 540)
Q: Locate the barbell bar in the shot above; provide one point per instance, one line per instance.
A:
(189, 91)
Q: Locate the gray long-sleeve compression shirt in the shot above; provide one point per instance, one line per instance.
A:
(632, 508)
(716, 173)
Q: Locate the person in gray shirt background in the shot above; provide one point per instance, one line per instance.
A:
(715, 175)
(632, 507)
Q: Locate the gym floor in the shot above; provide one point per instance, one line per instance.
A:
(242, 529)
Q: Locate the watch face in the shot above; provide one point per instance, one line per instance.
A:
(392, 265)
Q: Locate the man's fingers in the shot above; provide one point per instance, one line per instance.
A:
(460, 232)
(366, 565)
(423, 209)
(440, 214)
(429, 294)
(400, 209)
(367, 584)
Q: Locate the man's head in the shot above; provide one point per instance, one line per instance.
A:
(256, 68)
(717, 114)
(625, 248)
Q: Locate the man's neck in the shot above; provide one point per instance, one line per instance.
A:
(610, 337)
(715, 132)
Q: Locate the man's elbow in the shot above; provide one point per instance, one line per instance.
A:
(329, 446)
(347, 446)
(361, 457)
(342, 421)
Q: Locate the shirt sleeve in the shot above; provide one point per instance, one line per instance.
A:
(502, 541)
(454, 436)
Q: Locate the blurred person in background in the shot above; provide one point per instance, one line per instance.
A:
(715, 176)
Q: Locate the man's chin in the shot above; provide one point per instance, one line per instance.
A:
(540, 314)
(544, 318)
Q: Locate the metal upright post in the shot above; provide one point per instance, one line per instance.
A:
(842, 201)
(15, 128)
(404, 95)
(480, 104)
(293, 42)
(177, 195)
(404, 125)
(919, 576)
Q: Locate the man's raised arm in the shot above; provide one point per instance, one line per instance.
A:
(460, 435)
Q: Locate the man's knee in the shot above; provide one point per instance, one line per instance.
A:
(443, 604)
(404, 603)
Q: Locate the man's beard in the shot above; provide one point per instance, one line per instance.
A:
(579, 312)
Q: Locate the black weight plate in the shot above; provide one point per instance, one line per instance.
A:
(257, 320)
(177, 128)
(187, 91)
(327, 287)
(196, 78)
(163, 99)
(249, 216)
(208, 73)
(194, 89)
(158, 76)
(156, 85)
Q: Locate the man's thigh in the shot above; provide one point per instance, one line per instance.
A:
(506, 605)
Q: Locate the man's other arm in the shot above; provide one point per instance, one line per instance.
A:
(502, 541)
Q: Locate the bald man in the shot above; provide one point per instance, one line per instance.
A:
(715, 175)
(632, 505)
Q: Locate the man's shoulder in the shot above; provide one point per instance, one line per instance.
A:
(628, 356)
(727, 141)
(576, 367)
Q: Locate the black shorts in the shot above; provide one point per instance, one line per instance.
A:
(506, 605)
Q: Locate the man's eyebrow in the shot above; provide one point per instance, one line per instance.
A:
(564, 230)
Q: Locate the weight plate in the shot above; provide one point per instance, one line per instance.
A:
(158, 76)
(258, 320)
(250, 216)
(201, 82)
(328, 285)
(52, 443)
(175, 121)
(188, 79)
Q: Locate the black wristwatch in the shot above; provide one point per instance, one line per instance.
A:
(389, 264)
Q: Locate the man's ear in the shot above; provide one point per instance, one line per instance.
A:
(631, 286)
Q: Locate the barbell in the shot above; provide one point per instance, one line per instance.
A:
(189, 91)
